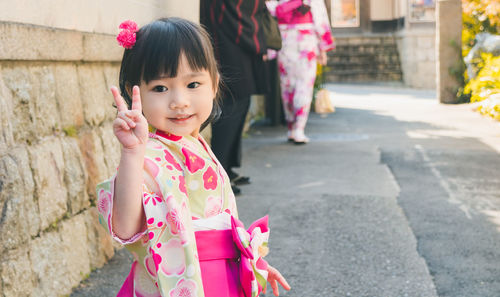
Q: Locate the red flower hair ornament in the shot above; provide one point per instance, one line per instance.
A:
(126, 37)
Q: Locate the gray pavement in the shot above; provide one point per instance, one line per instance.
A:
(396, 195)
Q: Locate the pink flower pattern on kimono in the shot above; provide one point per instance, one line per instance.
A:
(309, 55)
(143, 286)
(104, 201)
(282, 69)
(175, 218)
(184, 288)
(152, 262)
(170, 159)
(213, 206)
(210, 179)
(173, 258)
(152, 197)
(182, 184)
(193, 162)
(327, 37)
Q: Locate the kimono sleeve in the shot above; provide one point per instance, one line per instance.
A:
(172, 259)
(322, 25)
(105, 195)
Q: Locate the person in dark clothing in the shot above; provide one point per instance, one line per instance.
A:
(239, 47)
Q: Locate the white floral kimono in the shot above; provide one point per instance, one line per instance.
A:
(304, 36)
(192, 186)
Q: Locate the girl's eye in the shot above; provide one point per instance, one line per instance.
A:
(160, 89)
(194, 85)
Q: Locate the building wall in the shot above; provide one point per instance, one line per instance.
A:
(93, 15)
(382, 10)
(416, 43)
(56, 139)
(418, 56)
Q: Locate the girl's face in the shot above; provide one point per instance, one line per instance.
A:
(178, 105)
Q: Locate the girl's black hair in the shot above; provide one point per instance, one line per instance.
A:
(157, 52)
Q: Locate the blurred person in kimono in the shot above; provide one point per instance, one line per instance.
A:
(306, 34)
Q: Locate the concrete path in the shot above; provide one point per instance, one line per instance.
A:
(396, 195)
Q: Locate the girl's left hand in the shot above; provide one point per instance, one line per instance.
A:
(274, 277)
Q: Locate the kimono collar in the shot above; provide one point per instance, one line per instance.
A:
(153, 133)
(192, 142)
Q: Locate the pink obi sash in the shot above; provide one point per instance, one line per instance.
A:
(225, 262)
(287, 13)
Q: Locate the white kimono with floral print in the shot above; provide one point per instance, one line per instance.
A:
(297, 61)
(193, 185)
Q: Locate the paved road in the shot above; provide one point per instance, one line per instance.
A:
(396, 195)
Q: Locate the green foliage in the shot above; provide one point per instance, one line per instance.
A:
(487, 81)
(478, 16)
(485, 87)
(320, 79)
(458, 72)
(70, 131)
(481, 16)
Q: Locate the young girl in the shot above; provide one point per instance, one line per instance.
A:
(170, 201)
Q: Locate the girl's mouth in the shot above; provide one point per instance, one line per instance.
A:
(181, 118)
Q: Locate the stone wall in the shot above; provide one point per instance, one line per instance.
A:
(56, 143)
(418, 56)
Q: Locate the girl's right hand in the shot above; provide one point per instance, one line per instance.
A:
(130, 126)
(274, 277)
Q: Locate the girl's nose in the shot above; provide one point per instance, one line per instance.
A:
(179, 101)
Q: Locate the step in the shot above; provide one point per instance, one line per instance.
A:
(364, 77)
(364, 58)
(355, 40)
(368, 47)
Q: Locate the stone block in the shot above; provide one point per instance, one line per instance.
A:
(67, 92)
(27, 42)
(427, 75)
(431, 55)
(421, 55)
(45, 111)
(111, 147)
(75, 176)
(6, 136)
(93, 92)
(425, 42)
(339, 41)
(73, 233)
(18, 82)
(111, 74)
(101, 47)
(387, 40)
(99, 242)
(16, 278)
(355, 41)
(34, 108)
(410, 42)
(48, 172)
(93, 157)
(49, 265)
(20, 218)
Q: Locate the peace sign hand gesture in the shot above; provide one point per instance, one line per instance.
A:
(130, 126)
